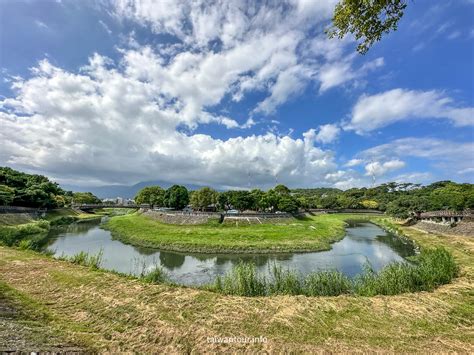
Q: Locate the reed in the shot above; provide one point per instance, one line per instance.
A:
(156, 276)
(432, 268)
(93, 261)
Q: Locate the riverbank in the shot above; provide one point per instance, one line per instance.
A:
(107, 312)
(297, 235)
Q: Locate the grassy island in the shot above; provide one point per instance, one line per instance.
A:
(296, 235)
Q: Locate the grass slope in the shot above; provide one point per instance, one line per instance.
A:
(113, 313)
(308, 234)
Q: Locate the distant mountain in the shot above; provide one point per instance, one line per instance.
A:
(126, 191)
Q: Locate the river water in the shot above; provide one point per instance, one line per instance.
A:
(364, 242)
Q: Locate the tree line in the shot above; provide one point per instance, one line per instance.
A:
(30, 190)
(397, 199)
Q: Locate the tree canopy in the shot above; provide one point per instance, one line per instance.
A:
(152, 195)
(367, 20)
(176, 197)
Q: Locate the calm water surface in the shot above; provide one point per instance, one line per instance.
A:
(363, 242)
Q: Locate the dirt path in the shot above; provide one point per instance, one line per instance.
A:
(106, 312)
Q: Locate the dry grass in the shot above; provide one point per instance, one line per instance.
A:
(111, 313)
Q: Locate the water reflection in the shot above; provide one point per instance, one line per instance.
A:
(363, 242)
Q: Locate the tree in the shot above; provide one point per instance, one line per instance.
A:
(7, 194)
(152, 195)
(370, 204)
(176, 197)
(242, 200)
(282, 190)
(86, 198)
(288, 204)
(367, 20)
(204, 197)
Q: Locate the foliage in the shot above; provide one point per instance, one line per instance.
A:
(20, 189)
(85, 198)
(7, 194)
(176, 197)
(27, 190)
(27, 235)
(152, 195)
(367, 20)
(397, 199)
(203, 198)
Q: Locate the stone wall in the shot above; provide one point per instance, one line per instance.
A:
(465, 227)
(183, 218)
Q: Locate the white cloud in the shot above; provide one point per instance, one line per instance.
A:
(337, 73)
(41, 24)
(378, 169)
(449, 158)
(327, 133)
(354, 162)
(380, 110)
(240, 46)
(105, 27)
(111, 124)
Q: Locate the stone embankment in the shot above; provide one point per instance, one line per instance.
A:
(182, 218)
(190, 218)
(464, 228)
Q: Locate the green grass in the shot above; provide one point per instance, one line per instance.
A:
(65, 216)
(83, 258)
(430, 269)
(29, 235)
(298, 235)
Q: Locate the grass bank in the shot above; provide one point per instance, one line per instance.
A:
(298, 235)
(65, 216)
(113, 313)
(26, 233)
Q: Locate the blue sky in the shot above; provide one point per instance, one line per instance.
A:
(234, 94)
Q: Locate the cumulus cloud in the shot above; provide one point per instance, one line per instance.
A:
(135, 118)
(245, 46)
(377, 168)
(112, 125)
(450, 158)
(327, 133)
(380, 110)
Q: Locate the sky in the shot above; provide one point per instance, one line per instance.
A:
(234, 94)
